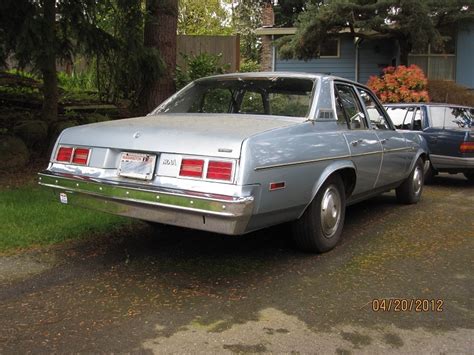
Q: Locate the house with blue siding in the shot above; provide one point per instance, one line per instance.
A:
(357, 59)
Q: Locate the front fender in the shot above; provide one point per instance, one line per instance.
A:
(328, 171)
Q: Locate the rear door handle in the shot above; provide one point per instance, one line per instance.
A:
(383, 141)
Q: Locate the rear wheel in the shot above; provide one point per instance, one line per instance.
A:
(410, 190)
(469, 176)
(320, 227)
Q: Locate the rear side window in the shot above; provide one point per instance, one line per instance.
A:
(458, 117)
(401, 116)
(451, 117)
(437, 116)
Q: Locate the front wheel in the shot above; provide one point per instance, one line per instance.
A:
(320, 227)
(410, 190)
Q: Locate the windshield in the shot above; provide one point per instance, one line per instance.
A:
(276, 96)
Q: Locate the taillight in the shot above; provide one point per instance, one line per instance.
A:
(192, 167)
(466, 147)
(219, 170)
(64, 154)
(80, 156)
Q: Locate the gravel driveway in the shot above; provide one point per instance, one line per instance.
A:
(172, 290)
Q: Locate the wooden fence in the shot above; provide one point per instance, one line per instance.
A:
(229, 46)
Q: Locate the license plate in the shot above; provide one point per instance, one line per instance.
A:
(137, 165)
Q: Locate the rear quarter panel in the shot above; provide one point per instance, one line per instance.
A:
(300, 156)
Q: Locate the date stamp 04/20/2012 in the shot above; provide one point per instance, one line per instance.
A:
(407, 305)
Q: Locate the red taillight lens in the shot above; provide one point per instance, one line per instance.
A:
(467, 147)
(64, 154)
(191, 167)
(80, 156)
(219, 170)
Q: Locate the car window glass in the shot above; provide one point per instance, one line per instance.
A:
(458, 117)
(252, 102)
(417, 118)
(215, 101)
(244, 94)
(351, 107)
(286, 104)
(401, 116)
(341, 117)
(437, 116)
(374, 111)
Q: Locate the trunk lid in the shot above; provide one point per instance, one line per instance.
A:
(215, 135)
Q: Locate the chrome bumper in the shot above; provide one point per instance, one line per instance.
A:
(449, 162)
(215, 213)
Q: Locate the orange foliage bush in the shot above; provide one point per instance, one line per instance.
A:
(400, 84)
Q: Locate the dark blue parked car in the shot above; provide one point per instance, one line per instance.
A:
(448, 130)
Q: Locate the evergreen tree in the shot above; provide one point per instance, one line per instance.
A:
(287, 12)
(42, 32)
(413, 23)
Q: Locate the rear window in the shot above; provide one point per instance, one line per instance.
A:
(451, 117)
(274, 96)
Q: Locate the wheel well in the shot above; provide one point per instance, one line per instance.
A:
(348, 176)
(424, 157)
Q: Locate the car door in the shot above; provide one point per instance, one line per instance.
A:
(396, 154)
(364, 145)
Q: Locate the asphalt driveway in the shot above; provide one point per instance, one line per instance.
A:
(174, 290)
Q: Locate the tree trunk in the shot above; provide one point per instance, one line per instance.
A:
(160, 33)
(47, 63)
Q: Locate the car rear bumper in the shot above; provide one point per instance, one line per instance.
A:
(215, 213)
(446, 162)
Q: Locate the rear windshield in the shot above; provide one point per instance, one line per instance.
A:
(451, 117)
(277, 96)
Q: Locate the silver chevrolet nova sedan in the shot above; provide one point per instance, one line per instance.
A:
(236, 153)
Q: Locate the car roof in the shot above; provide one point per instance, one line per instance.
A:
(281, 74)
(428, 104)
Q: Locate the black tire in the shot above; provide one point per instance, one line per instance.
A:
(469, 176)
(409, 192)
(310, 232)
(430, 173)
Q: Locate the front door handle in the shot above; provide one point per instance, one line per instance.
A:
(383, 141)
(356, 142)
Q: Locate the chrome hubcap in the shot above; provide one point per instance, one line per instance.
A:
(330, 211)
(417, 180)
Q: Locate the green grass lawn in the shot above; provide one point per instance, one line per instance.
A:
(29, 217)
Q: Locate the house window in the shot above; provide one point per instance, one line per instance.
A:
(437, 65)
(330, 48)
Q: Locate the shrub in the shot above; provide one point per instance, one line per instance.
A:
(34, 132)
(77, 81)
(14, 153)
(400, 84)
(450, 92)
(199, 66)
(249, 65)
